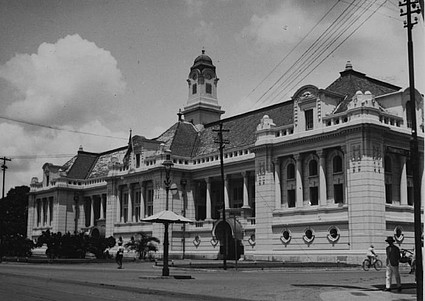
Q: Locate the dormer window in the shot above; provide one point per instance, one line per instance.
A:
(137, 160)
(208, 88)
(308, 119)
(194, 89)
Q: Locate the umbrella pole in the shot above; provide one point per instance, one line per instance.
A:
(165, 269)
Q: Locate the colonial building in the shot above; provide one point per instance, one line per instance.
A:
(318, 177)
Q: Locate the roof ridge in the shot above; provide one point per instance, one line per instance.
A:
(230, 118)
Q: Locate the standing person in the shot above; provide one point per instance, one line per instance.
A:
(120, 254)
(393, 258)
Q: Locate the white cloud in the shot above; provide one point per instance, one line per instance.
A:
(69, 82)
(29, 152)
(283, 26)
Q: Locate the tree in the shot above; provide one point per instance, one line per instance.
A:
(13, 223)
(143, 244)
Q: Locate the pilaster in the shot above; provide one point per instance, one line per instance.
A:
(365, 194)
(265, 191)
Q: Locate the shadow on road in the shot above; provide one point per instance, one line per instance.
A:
(333, 285)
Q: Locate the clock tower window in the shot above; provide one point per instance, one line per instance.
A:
(208, 88)
(194, 89)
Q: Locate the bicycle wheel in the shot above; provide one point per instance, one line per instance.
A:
(366, 264)
(378, 264)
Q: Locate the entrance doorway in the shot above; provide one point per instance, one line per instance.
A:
(231, 233)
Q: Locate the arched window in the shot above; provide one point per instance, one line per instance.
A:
(312, 167)
(290, 171)
(337, 164)
(387, 164)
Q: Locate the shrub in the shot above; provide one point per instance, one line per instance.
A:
(73, 245)
(18, 245)
(143, 245)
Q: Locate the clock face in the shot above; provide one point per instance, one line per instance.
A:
(208, 76)
(194, 76)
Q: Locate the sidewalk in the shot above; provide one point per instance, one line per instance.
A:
(206, 280)
(357, 291)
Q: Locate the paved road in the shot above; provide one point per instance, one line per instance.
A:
(143, 281)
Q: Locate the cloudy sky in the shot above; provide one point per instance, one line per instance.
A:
(85, 72)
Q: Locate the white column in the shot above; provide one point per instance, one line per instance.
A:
(245, 190)
(277, 187)
(226, 192)
(403, 181)
(299, 192)
(142, 200)
(91, 211)
(43, 221)
(102, 216)
(322, 177)
(208, 199)
(48, 211)
(345, 168)
(130, 203)
(118, 200)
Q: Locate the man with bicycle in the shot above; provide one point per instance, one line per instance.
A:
(371, 255)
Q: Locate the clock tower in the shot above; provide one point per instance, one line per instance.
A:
(202, 104)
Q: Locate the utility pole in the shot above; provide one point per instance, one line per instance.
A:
(222, 143)
(4, 167)
(412, 8)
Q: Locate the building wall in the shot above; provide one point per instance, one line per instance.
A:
(361, 137)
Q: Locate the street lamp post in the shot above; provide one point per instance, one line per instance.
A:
(167, 164)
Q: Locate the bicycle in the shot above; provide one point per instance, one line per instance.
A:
(377, 264)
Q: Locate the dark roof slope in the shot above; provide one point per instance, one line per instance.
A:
(82, 165)
(167, 136)
(101, 168)
(352, 81)
(184, 140)
(242, 128)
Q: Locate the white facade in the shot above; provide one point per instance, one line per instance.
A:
(319, 177)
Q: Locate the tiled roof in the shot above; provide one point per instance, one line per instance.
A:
(167, 136)
(69, 163)
(242, 128)
(101, 169)
(352, 81)
(184, 139)
(82, 165)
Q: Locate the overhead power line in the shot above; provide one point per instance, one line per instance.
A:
(326, 45)
(326, 41)
(292, 50)
(32, 157)
(346, 38)
(313, 48)
(58, 128)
